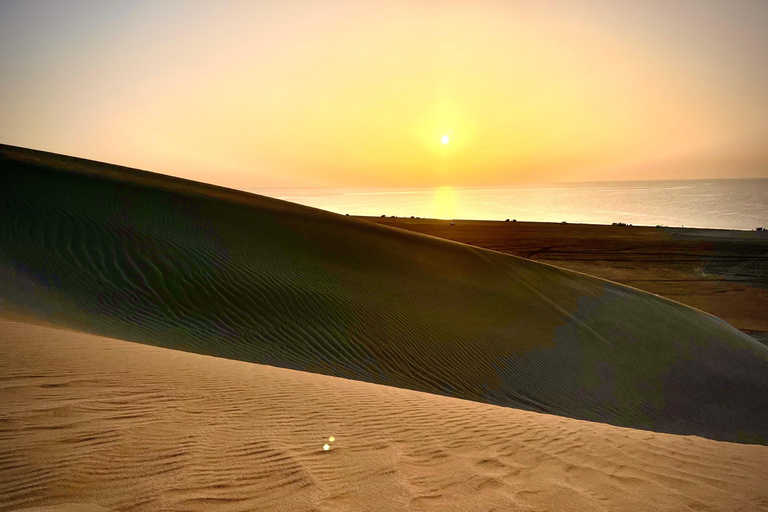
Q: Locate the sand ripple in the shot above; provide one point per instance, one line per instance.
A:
(94, 422)
(148, 258)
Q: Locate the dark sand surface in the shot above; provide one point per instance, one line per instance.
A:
(91, 424)
(722, 272)
(158, 260)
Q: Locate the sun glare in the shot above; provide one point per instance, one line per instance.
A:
(444, 139)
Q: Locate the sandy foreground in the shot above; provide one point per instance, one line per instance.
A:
(95, 422)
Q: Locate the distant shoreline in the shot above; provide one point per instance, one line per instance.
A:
(734, 204)
(617, 224)
(720, 271)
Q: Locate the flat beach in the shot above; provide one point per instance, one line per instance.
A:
(171, 345)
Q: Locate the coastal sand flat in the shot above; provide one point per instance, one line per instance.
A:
(722, 272)
(89, 422)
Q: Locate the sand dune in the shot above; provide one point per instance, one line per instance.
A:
(144, 257)
(95, 422)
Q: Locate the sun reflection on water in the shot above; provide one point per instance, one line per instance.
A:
(444, 203)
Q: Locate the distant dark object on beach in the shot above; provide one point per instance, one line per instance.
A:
(383, 216)
(760, 229)
(346, 214)
(453, 223)
(413, 217)
(563, 222)
(624, 224)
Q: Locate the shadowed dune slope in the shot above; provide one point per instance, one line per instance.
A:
(110, 425)
(149, 258)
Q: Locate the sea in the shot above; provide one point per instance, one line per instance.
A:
(740, 204)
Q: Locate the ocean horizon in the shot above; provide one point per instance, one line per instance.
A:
(740, 204)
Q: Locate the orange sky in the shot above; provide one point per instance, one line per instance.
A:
(360, 93)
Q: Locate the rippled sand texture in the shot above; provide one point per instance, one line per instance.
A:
(107, 423)
(148, 258)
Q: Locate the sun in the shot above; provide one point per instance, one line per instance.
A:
(444, 139)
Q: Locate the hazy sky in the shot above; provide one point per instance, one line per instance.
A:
(259, 94)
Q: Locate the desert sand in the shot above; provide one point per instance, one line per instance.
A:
(96, 422)
(149, 258)
(452, 377)
(722, 272)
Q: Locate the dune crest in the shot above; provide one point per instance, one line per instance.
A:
(158, 260)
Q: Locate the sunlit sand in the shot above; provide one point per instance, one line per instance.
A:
(92, 421)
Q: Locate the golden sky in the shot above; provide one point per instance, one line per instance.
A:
(261, 94)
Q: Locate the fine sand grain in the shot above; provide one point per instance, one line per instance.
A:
(90, 424)
(153, 259)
